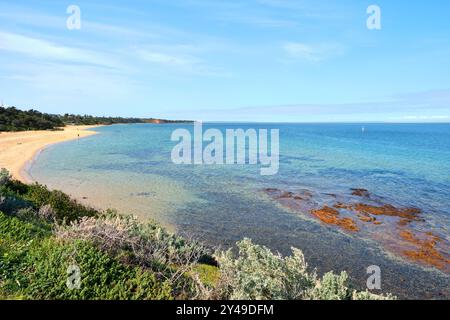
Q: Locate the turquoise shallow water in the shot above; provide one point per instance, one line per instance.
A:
(128, 167)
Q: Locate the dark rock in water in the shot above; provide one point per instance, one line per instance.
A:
(361, 193)
(142, 194)
(297, 201)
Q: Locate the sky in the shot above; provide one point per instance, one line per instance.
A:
(229, 60)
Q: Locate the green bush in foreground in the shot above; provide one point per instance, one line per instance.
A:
(101, 276)
(34, 266)
(64, 208)
(59, 206)
(5, 177)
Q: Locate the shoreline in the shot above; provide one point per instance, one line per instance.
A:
(19, 149)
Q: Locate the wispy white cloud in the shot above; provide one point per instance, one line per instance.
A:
(270, 13)
(167, 59)
(298, 51)
(23, 16)
(86, 88)
(50, 51)
(181, 57)
(69, 79)
(110, 45)
(264, 21)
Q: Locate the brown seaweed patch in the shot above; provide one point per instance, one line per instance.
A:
(407, 215)
(403, 222)
(340, 205)
(331, 216)
(390, 225)
(367, 218)
(426, 251)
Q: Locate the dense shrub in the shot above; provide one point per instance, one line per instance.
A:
(55, 204)
(15, 229)
(332, 287)
(257, 273)
(17, 237)
(63, 207)
(146, 244)
(208, 275)
(12, 119)
(11, 204)
(101, 276)
(34, 265)
(5, 177)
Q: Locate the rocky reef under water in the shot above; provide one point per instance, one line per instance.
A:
(401, 231)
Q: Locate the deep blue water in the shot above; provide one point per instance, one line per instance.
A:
(129, 167)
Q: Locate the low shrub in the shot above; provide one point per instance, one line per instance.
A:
(258, 274)
(64, 208)
(33, 265)
(207, 274)
(5, 177)
(11, 204)
(17, 237)
(134, 243)
(144, 244)
(101, 277)
(17, 230)
(53, 205)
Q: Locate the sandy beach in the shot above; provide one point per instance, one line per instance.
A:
(17, 149)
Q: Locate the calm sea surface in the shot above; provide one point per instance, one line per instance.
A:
(128, 167)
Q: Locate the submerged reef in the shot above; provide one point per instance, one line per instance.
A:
(331, 216)
(401, 230)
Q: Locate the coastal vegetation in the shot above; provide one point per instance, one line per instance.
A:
(13, 119)
(44, 234)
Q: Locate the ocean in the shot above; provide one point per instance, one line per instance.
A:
(129, 167)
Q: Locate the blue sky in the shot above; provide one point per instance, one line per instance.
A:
(229, 60)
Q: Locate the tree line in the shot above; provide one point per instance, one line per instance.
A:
(13, 119)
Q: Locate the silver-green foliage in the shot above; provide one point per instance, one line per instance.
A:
(146, 243)
(258, 274)
(5, 177)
